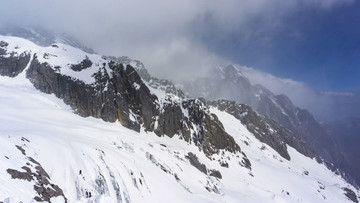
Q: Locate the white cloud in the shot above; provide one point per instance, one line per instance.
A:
(166, 35)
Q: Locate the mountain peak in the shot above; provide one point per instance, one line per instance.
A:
(135, 139)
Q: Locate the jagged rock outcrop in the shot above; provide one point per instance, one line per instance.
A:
(32, 171)
(228, 82)
(265, 129)
(129, 166)
(12, 63)
(119, 93)
(156, 83)
(86, 63)
(112, 97)
(190, 118)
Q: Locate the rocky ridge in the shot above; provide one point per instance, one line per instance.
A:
(118, 93)
(228, 82)
(115, 91)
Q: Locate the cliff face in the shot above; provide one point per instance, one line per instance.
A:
(229, 83)
(265, 129)
(113, 96)
(131, 161)
(117, 93)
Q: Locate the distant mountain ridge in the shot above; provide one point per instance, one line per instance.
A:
(228, 82)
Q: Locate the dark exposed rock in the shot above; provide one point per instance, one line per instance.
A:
(15, 174)
(86, 63)
(215, 173)
(208, 132)
(119, 93)
(229, 83)
(224, 164)
(264, 129)
(14, 64)
(21, 149)
(3, 44)
(211, 133)
(216, 138)
(161, 84)
(172, 121)
(116, 102)
(350, 194)
(44, 188)
(195, 162)
(245, 162)
(24, 139)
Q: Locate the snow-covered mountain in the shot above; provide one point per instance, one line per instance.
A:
(228, 82)
(80, 127)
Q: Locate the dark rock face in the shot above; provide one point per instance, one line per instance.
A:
(14, 64)
(208, 132)
(195, 162)
(215, 137)
(215, 173)
(229, 83)
(121, 95)
(86, 63)
(151, 81)
(43, 186)
(264, 129)
(172, 121)
(20, 175)
(350, 195)
(112, 97)
(3, 44)
(302, 123)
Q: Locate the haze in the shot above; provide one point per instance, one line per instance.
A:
(182, 38)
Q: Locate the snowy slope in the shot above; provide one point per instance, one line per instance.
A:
(233, 83)
(92, 160)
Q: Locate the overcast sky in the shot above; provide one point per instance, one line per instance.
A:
(313, 41)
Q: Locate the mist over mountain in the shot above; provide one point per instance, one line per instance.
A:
(325, 106)
(173, 101)
(229, 82)
(191, 36)
(91, 129)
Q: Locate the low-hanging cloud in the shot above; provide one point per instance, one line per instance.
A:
(325, 106)
(165, 35)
